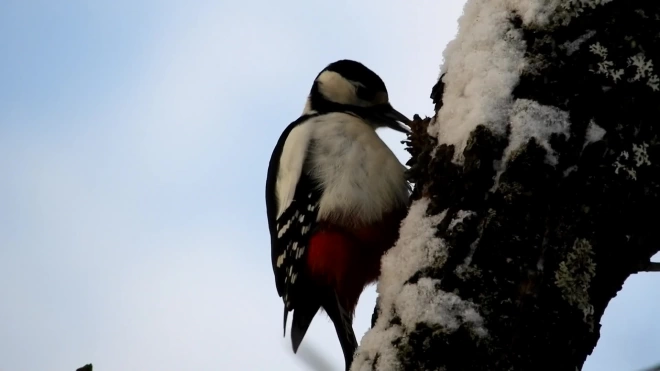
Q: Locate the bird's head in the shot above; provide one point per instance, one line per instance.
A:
(349, 86)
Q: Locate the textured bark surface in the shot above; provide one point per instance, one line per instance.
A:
(550, 245)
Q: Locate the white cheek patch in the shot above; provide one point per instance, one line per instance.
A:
(335, 88)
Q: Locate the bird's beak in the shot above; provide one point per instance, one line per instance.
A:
(396, 120)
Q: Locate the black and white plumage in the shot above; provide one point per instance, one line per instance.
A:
(331, 182)
(287, 225)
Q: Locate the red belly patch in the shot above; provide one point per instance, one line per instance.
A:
(349, 259)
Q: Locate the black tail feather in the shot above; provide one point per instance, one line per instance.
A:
(286, 314)
(344, 327)
(302, 318)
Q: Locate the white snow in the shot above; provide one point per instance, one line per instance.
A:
(484, 62)
(530, 119)
(594, 133)
(378, 342)
(460, 215)
(569, 170)
(423, 302)
(461, 269)
(535, 12)
(541, 12)
(417, 248)
(483, 65)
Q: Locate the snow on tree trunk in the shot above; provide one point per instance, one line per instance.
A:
(537, 190)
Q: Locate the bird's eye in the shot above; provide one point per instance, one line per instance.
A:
(365, 93)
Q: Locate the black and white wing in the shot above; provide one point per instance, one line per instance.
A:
(292, 199)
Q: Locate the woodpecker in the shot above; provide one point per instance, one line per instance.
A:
(335, 197)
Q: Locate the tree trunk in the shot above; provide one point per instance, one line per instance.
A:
(537, 190)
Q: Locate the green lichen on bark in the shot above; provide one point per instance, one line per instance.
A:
(574, 275)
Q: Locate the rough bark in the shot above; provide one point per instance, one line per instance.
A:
(543, 250)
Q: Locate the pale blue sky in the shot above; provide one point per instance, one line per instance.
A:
(134, 141)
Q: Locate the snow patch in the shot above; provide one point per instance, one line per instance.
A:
(484, 63)
(536, 13)
(462, 269)
(379, 343)
(460, 215)
(540, 13)
(594, 133)
(569, 170)
(416, 249)
(422, 301)
(425, 302)
(530, 119)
